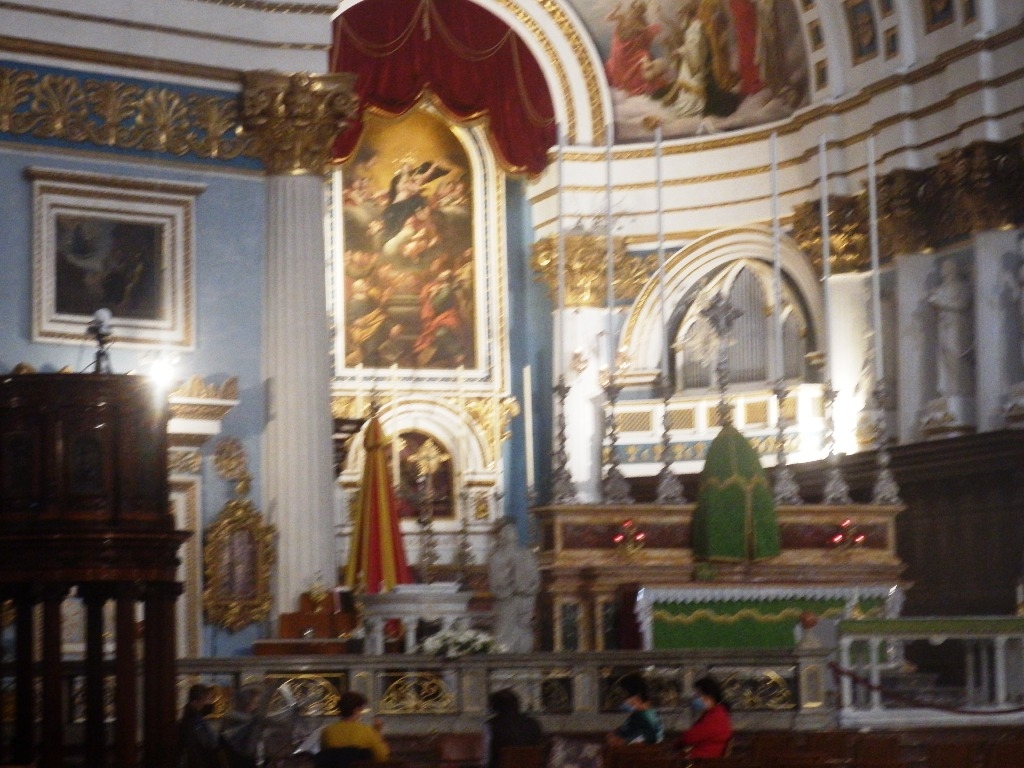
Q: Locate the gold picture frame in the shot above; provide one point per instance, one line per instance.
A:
(238, 556)
(116, 243)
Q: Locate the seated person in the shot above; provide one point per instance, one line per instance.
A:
(643, 726)
(508, 727)
(349, 740)
(710, 734)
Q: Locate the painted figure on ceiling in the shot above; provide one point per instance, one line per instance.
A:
(628, 66)
(705, 66)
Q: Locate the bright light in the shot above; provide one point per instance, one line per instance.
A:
(162, 369)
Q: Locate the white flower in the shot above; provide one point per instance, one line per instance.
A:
(452, 643)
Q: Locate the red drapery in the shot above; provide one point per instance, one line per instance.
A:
(466, 56)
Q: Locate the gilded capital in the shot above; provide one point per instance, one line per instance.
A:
(586, 268)
(295, 118)
(848, 232)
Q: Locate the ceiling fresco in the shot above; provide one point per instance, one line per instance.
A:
(697, 67)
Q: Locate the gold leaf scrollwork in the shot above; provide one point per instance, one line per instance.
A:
(113, 103)
(161, 124)
(59, 109)
(295, 118)
(238, 554)
(114, 114)
(586, 268)
(15, 89)
(848, 232)
(418, 693)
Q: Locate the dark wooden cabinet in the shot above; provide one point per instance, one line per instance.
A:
(84, 510)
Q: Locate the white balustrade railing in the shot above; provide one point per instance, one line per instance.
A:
(878, 689)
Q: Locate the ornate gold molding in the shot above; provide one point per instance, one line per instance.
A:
(113, 114)
(586, 268)
(184, 461)
(972, 189)
(848, 232)
(295, 118)
(238, 554)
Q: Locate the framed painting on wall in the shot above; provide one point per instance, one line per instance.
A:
(937, 14)
(106, 242)
(863, 32)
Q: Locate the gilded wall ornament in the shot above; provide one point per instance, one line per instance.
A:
(586, 268)
(295, 118)
(972, 189)
(848, 232)
(238, 555)
(108, 113)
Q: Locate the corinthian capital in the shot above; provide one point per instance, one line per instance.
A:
(295, 118)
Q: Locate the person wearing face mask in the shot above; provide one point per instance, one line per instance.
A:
(710, 734)
(350, 740)
(198, 743)
(643, 726)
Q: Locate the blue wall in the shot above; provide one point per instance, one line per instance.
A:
(229, 245)
(530, 333)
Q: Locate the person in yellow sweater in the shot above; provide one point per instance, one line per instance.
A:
(349, 740)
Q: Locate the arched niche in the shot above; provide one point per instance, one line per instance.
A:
(455, 433)
(643, 335)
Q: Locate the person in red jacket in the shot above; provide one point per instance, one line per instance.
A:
(709, 736)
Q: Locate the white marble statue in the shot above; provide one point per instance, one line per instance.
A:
(951, 299)
(514, 581)
(1014, 281)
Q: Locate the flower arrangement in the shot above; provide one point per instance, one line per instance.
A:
(452, 643)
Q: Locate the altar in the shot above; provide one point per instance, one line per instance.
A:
(411, 603)
(756, 615)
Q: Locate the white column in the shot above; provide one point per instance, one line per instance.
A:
(297, 470)
(875, 675)
(1000, 669)
(293, 120)
(845, 682)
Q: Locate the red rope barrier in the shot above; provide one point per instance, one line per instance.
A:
(859, 680)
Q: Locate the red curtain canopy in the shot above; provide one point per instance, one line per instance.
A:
(470, 59)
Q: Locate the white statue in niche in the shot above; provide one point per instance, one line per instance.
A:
(1014, 281)
(514, 581)
(951, 300)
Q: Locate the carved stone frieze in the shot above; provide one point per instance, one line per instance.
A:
(295, 118)
(586, 268)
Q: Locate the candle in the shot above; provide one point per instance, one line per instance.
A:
(776, 258)
(559, 332)
(528, 423)
(610, 246)
(396, 461)
(826, 256)
(360, 401)
(661, 255)
(876, 291)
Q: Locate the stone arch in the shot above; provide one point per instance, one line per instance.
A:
(642, 331)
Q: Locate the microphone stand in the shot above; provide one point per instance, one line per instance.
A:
(101, 332)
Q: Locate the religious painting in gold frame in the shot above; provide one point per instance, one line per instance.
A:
(238, 556)
(408, 268)
(426, 486)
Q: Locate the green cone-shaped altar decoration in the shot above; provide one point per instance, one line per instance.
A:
(735, 515)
